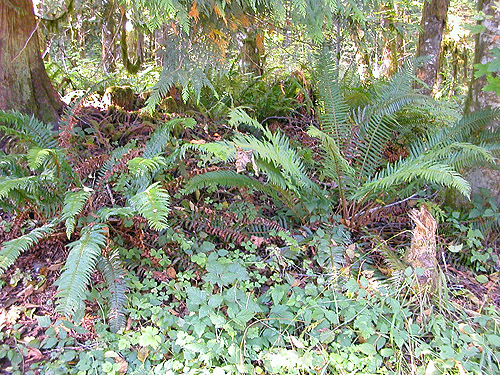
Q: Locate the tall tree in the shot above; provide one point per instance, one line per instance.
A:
(432, 25)
(487, 42)
(108, 36)
(24, 84)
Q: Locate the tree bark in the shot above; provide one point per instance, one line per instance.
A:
(433, 21)
(478, 99)
(108, 36)
(485, 43)
(24, 84)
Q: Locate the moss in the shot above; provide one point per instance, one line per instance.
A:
(120, 96)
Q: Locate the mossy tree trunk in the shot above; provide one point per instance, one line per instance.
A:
(486, 42)
(432, 24)
(108, 36)
(24, 84)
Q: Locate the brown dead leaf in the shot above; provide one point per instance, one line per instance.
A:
(197, 141)
(171, 273)
(194, 13)
(257, 241)
(34, 354)
(242, 159)
(296, 282)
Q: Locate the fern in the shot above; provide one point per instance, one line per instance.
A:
(114, 275)
(7, 184)
(223, 178)
(11, 250)
(142, 167)
(153, 204)
(276, 151)
(27, 129)
(105, 213)
(79, 266)
(222, 150)
(239, 116)
(162, 135)
(73, 206)
(405, 172)
(334, 109)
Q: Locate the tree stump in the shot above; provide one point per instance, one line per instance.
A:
(422, 253)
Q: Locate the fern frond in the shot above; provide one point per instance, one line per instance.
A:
(27, 129)
(153, 204)
(277, 151)
(79, 266)
(223, 150)
(222, 178)
(407, 171)
(73, 205)
(115, 276)
(459, 155)
(239, 116)
(10, 250)
(334, 109)
(146, 167)
(162, 135)
(7, 184)
(124, 212)
(335, 163)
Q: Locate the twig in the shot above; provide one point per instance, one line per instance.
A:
(27, 41)
(382, 207)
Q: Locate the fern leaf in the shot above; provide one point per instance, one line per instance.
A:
(239, 116)
(408, 171)
(106, 212)
(27, 129)
(7, 184)
(146, 167)
(73, 206)
(153, 204)
(334, 154)
(222, 178)
(11, 250)
(115, 276)
(335, 110)
(77, 271)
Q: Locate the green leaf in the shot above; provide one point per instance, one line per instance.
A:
(482, 279)
(44, 321)
(366, 348)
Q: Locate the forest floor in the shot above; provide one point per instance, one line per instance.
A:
(29, 289)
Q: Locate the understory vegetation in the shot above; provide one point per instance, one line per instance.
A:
(208, 218)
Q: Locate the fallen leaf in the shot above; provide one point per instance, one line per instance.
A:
(171, 273)
(197, 141)
(296, 342)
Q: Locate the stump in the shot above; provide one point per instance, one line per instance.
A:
(422, 253)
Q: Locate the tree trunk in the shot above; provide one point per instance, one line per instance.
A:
(24, 84)
(108, 36)
(486, 42)
(389, 49)
(252, 52)
(429, 41)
